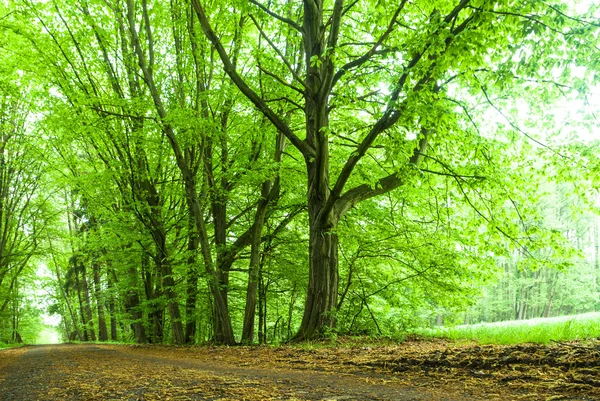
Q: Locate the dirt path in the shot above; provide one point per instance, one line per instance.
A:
(96, 372)
(144, 373)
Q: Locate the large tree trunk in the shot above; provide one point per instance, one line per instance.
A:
(219, 211)
(321, 298)
(322, 294)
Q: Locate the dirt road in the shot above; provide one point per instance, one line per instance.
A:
(144, 373)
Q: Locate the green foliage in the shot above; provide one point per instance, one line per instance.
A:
(430, 137)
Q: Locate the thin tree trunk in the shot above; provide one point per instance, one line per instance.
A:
(191, 313)
(63, 294)
(269, 191)
(596, 234)
(133, 307)
(111, 303)
(81, 308)
(262, 309)
(291, 312)
(102, 331)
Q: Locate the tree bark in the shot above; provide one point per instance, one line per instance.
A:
(72, 314)
(321, 297)
(111, 302)
(102, 330)
(269, 192)
(132, 306)
(191, 319)
(253, 270)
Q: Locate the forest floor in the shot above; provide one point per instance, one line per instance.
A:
(433, 370)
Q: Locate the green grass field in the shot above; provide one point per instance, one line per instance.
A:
(543, 330)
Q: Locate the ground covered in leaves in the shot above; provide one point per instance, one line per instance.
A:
(414, 370)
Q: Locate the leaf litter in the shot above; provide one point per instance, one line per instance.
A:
(346, 369)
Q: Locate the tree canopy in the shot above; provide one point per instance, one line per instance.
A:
(257, 170)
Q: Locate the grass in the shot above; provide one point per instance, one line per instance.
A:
(542, 331)
(6, 346)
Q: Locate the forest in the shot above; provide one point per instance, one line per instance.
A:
(259, 171)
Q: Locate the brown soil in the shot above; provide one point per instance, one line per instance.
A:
(415, 370)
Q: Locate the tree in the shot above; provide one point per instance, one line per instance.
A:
(411, 71)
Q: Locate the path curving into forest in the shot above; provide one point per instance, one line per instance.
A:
(146, 373)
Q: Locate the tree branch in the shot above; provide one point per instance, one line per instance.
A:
(277, 16)
(367, 56)
(336, 18)
(517, 128)
(389, 118)
(383, 185)
(452, 174)
(286, 62)
(280, 80)
(306, 150)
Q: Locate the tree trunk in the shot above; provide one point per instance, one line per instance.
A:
(262, 309)
(269, 191)
(321, 298)
(291, 312)
(596, 235)
(191, 315)
(219, 212)
(102, 331)
(81, 308)
(173, 305)
(252, 289)
(164, 267)
(155, 309)
(61, 288)
(111, 303)
(88, 304)
(222, 317)
(132, 306)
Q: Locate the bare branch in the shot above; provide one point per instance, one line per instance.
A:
(277, 16)
(517, 128)
(286, 99)
(280, 80)
(477, 177)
